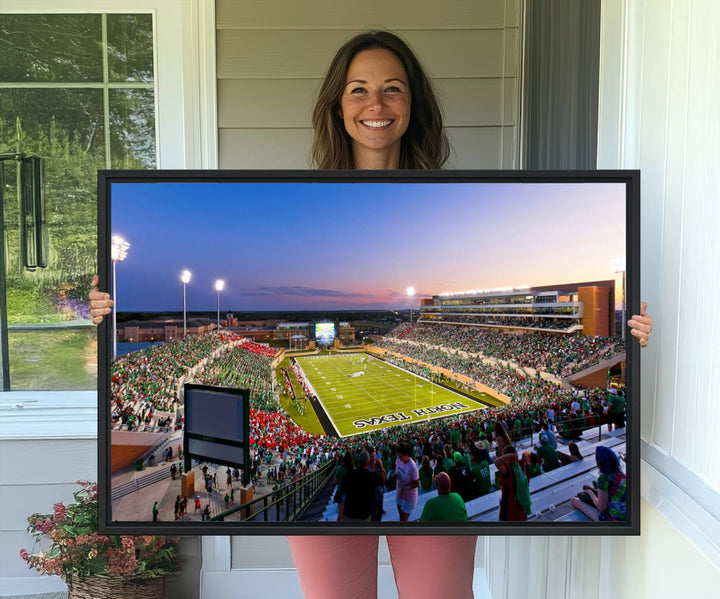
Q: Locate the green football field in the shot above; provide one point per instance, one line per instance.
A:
(361, 393)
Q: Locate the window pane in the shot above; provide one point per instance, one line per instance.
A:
(65, 127)
(132, 128)
(130, 47)
(55, 359)
(48, 117)
(50, 48)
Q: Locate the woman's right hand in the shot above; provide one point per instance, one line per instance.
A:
(100, 302)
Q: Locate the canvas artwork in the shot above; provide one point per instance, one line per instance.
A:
(339, 353)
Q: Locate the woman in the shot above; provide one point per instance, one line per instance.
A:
(426, 474)
(511, 510)
(408, 482)
(362, 120)
(377, 110)
(609, 497)
(573, 456)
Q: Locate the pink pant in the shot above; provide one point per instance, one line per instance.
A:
(345, 567)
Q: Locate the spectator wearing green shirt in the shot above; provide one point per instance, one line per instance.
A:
(547, 455)
(447, 506)
(455, 435)
(616, 409)
(426, 474)
(481, 471)
(531, 464)
(518, 426)
(448, 461)
(528, 424)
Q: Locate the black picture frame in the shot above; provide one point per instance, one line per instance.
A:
(629, 178)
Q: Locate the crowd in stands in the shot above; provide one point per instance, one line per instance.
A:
(146, 381)
(244, 366)
(504, 379)
(262, 350)
(559, 355)
(276, 432)
(462, 446)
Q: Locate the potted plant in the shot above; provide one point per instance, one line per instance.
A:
(95, 566)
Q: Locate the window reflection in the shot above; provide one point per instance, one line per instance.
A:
(61, 117)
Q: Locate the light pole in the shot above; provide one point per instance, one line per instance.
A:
(411, 294)
(219, 286)
(185, 278)
(118, 253)
(618, 265)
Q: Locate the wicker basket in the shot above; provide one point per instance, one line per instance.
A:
(116, 587)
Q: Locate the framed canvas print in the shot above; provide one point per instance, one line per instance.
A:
(359, 352)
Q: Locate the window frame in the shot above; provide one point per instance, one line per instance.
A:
(186, 137)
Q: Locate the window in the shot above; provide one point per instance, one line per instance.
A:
(77, 90)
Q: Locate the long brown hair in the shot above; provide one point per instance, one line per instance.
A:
(424, 144)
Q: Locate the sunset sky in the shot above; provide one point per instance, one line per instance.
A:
(314, 246)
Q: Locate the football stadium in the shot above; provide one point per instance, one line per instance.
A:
(532, 372)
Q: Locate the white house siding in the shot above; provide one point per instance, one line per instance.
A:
(659, 85)
(271, 57)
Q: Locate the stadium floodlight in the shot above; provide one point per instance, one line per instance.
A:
(185, 277)
(618, 266)
(411, 294)
(118, 253)
(219, 286)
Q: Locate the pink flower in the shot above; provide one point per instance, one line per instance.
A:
(43, 526)
(53, 565)
(24, 555)
(128, 542)
(59, 512)
(121, 562)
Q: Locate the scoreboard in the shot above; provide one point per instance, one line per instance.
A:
(325, 332)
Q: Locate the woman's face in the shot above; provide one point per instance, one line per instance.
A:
(375, 104)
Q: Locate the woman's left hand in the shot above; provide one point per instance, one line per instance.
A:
(641, 325)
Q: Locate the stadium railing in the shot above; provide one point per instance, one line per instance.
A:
(286, 503)
(565, 430)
